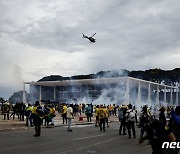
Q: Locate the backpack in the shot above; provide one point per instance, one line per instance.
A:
(121, 114)
(130, 116)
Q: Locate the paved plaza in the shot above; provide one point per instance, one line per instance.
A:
(84, 139)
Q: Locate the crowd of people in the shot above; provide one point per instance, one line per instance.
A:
(156, 129)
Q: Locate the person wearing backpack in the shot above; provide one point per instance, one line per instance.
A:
(130, 121)
(122, 119)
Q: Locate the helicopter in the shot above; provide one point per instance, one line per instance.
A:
(91, 39)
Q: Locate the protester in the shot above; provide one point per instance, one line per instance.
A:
(174, 124)
(28, 113)
(22, 108)
(69, 116)
(64, 113)
(97, 115)
(158, 133)
(122, 118)
(102, 116)
(5, 108)
(143, 120)
(47, 115)
(80, 109)
(88, 112)
(162, 117)
(106, 115)
(130, 121)
(37, 114)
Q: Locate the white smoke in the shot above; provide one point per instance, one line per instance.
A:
(131, 91)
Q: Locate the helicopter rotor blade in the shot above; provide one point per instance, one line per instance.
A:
(93, 34)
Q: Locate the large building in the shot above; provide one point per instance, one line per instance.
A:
(118, 90)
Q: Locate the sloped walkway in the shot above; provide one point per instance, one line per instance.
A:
(16, 124)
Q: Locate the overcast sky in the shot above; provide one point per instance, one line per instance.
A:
(44, 37)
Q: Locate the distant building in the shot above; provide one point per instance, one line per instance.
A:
(117, 90)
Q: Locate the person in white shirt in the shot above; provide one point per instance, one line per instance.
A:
(69, 116)
(130, 118)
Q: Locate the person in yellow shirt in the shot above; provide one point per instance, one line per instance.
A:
(102, 115)
(106, 115)
(64, 113)
(52, 113)
(97, 116)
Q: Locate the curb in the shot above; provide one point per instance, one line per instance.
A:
(58, 125)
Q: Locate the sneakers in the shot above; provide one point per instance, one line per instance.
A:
(69, 130)
(36, 135)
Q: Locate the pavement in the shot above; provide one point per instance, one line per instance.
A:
(16, 124)
(83, 139)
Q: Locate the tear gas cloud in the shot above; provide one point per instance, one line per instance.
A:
(124, 92)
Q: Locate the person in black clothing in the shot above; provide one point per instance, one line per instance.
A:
(37, 113)
(122, 119)
(28, 114)
(15, 111)
(143, 120)
(173, 125)
(162, 117)
(157, 133)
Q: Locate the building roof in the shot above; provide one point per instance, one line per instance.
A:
(114, 80)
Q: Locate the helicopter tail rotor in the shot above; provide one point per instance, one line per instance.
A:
(83, 35)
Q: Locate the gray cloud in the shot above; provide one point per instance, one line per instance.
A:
(43, 37)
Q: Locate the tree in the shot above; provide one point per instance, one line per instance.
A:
(2, 100)
(18, 97)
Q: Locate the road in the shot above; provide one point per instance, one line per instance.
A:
(84, 139)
